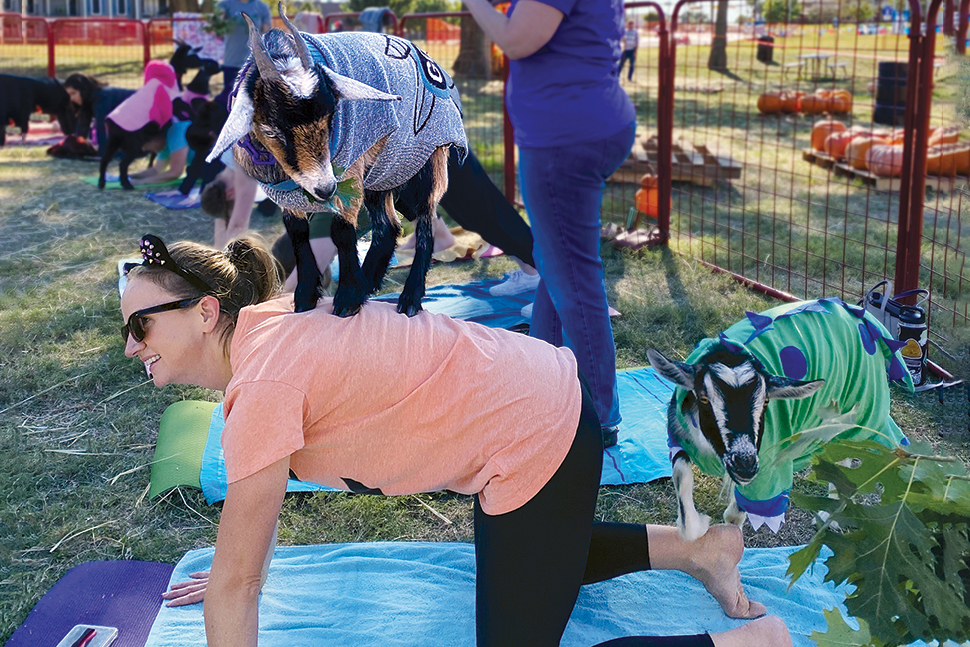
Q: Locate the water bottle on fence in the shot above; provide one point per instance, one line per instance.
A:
(905, 323)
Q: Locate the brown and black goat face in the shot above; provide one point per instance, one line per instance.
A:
(728, 395)
(286, 103)
(300, 142)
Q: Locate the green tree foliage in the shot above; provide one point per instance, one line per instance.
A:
(858, 12)
(840, 634)
(775, 11)
(897, 528)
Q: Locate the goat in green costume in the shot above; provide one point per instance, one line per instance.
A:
(764, 379)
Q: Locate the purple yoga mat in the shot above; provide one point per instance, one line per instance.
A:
(122, 594)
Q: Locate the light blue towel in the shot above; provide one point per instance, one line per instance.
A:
(389, 594)
(640, 455)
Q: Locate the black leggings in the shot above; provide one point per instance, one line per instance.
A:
(474, 202)
(532, 561)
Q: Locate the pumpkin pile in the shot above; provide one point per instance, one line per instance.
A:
(881, 151)
(822, 101)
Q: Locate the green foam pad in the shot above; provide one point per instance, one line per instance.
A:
(115, 185)
(182, 435)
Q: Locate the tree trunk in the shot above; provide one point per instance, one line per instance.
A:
(474, 54)
(183, 5)
(718, 58)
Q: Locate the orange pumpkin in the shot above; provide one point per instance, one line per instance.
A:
(963, 159)
(815, 105)
(822, 129)
(791, 101)
(943, 135)
(942, 160)
(648, 196)
(856, 151)
(836, 143)
(885, 160)
(840, 101)
(769, 103)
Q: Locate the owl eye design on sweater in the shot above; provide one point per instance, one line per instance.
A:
(396, 48)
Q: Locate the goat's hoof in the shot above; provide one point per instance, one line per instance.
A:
(346, 312)
(409, 310)
(101, 184)
(694, 529)
(302, 306)
(347, 303)
(408, 306)
(304, 302)
(737, 519)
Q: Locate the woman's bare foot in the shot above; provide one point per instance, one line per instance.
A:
(714, 561)
(769, 631)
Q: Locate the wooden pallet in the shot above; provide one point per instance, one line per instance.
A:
(893, 184)
(818, 159)
(695, 163)
(634, 167)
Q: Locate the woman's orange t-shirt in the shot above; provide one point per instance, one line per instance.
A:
(382, 402)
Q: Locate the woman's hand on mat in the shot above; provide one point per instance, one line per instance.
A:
(189, 592)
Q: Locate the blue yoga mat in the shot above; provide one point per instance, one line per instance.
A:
(392, 594)
(174, 200)
(472, 302)
(640, 455)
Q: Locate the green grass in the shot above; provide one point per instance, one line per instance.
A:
(78, 421)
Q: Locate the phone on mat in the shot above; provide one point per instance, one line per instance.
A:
(89, 636)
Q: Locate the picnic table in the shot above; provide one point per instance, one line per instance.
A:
(816, 59)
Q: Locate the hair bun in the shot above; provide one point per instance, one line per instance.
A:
(239, 250)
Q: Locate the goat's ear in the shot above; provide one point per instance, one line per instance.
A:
(784, 388)
(238, 125)
(679, 373)
(353, 90)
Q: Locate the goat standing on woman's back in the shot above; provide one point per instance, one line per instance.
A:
(760, 382)
(371, 108)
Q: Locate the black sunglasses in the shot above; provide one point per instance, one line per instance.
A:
(136, 325)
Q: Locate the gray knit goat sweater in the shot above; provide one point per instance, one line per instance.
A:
(428, 116)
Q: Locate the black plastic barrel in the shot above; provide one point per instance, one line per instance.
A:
(766, 50)
(890, 108)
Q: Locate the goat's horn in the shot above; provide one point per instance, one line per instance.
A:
(267, 69)
(301, 48)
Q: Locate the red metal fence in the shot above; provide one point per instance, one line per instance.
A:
(740, 189)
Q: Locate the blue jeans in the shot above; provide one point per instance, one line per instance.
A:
(628, 55)
(563, 192)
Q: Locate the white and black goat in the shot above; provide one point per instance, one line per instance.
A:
(369, 108)
(728, 394)
(729, 413)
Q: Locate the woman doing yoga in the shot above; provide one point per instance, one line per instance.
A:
(484, 412)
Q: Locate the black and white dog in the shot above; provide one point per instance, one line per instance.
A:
(20, 96)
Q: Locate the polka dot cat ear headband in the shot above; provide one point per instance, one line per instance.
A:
(155, 254)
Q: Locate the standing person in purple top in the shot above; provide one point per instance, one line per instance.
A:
(574, 126)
